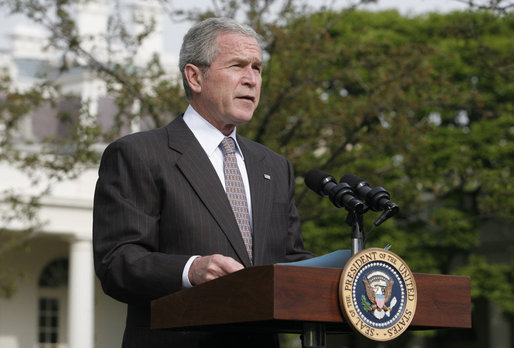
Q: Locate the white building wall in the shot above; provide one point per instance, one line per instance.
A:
(91, 21)
(19, 314)
(143, 12)
(109, 319)
(89, 317)
(30, 42)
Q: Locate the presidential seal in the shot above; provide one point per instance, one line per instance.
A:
(377, 294)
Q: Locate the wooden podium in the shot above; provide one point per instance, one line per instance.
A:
(281, 298)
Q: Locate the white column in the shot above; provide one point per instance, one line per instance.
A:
(81, 295)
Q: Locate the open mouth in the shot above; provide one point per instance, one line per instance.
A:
(247, 97)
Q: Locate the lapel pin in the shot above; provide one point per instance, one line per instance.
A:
(267, 177)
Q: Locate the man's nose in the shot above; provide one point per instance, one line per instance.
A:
(250, 76)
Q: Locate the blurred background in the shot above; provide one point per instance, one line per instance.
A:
(416, 97)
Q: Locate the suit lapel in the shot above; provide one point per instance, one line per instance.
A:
(197, 169)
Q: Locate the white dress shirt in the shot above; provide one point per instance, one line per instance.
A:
(210, 138)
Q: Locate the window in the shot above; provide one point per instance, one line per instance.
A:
(48, 322)
(53, 282)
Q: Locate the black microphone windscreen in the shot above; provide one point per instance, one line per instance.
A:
(314, 179)
(352, 180)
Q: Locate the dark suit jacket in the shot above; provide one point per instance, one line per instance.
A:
(158, 201)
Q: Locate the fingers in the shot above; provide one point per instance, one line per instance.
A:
(211, 267)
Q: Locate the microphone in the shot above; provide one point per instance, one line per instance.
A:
(341, 195)
(377, 199)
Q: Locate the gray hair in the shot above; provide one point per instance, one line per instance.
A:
(200, 44)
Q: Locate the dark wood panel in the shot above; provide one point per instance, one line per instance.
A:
(287, 296)
(443, 301)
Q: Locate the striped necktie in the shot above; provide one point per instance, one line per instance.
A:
(235, 189)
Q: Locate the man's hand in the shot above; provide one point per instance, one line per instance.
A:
(211, 267)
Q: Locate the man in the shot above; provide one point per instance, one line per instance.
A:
(162, 218)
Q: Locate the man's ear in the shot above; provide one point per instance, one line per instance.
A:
(194, 77)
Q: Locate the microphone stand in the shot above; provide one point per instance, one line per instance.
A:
(355, 220)
(314, 334)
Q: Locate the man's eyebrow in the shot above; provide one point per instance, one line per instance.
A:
(245, 60)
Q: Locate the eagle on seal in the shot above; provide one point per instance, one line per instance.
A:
(378, 295)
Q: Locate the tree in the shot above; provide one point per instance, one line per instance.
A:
(431, 100)
(422, 106)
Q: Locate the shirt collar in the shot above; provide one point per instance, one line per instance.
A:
(207, 135)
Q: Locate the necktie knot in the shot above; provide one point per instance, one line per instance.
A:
(228, 145)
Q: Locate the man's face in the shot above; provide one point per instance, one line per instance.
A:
(230, 89)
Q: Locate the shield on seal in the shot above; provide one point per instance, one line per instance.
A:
(380, 300)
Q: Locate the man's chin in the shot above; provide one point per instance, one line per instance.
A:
(243, 118)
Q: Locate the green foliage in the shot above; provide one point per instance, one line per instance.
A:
(420, 105)
(11, 241)
(365, 304)
(492, 281)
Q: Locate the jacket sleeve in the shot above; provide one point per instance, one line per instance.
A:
(126, 217)
(295, 249)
